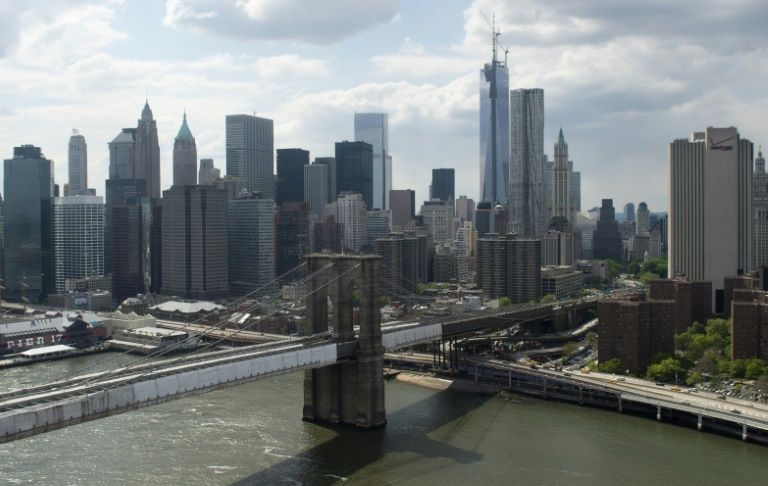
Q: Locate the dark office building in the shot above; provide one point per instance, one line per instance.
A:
(354, 169)
(131, 230)
(251, 239)
(606, 240)
(290, 174)
(28, 257)
(194, 243)
(402, 203)
(328, 235)
(483, 219)
(443, 184)
(292, 241)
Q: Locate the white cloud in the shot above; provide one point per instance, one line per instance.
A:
(307, 21)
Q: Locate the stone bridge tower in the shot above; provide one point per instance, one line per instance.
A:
(352, 391)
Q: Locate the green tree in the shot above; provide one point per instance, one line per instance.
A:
(655, 265)
(505, 301)
(738, 368)
(613, 365)
(668, 370)
(646, 277)
(693, 378)
(548, 299)
(754, 369)
(633, 267)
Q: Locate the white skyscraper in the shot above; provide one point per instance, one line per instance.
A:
(710, 211)
(527, 205)
(78, 164)
(373, 128)
(351, 212)
(494, 130)
(316, 188)
(78, 238)
(438, 217)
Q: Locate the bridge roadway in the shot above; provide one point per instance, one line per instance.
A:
(48, 407)
(39, 409)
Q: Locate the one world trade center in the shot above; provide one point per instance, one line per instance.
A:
(494, 130)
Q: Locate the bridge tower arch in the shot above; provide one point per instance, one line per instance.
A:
(350, 392)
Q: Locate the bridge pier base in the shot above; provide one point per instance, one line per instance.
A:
(699, 423)
(351, 392)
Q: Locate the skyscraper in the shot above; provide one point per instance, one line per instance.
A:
(207, 173)
(444, 184)
(316, 188)
(465, 209)
(351, 212)
(251, 244)
(494, 130)
(760, 212)
(184, 157)
(629, 212)
(194, 243)
(606, 242)
(290, 174)
(77, 162)
(292, 239)
(710, 211)
(329, 162)
(250, 152)
(438, 217)
(28, 257)
(354, 167)
(373, 128)
(561, 193)
(402, 202)
(147, 153)
(575, 189)
(643, 227)
(78, 238)
(377, 225)
(526, 201)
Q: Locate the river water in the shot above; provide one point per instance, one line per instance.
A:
(252, 434)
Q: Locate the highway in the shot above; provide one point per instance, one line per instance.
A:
(691, 400)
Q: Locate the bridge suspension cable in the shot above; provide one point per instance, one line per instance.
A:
(218, 326)
(173, 361)
(80, 371)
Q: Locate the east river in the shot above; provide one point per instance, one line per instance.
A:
(253, 434)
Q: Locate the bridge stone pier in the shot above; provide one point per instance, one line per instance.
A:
(351, 391)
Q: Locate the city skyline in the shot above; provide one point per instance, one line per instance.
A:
(424, 78)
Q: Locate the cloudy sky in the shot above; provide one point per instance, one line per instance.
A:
(622, 78)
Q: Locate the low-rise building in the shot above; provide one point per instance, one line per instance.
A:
(561, 281)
